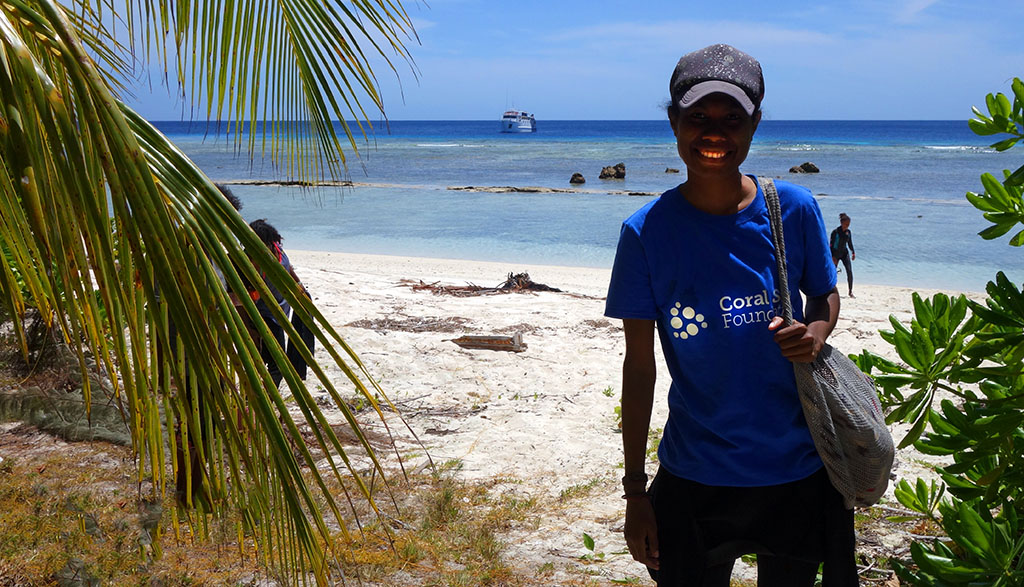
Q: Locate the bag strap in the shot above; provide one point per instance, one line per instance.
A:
(771, 199)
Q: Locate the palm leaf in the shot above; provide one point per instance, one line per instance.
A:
(129, 250)
(283, 69)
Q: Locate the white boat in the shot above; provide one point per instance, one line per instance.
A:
(517, 121)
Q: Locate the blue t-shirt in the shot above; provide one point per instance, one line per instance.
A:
(709, 282)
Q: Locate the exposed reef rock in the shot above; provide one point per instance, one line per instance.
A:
(806, 167)
(617, 171)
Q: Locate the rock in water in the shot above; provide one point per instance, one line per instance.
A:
(805, 167)
(617, 171)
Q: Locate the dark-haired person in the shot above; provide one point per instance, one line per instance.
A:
(841, 243)
(272, 239)
(738, 470)
(229, 196)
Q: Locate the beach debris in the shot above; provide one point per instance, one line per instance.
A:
(522, 282)
(512, 343)
(412, 324)
(577, 178)
(805, 167)
(521, 327)
(671, 170)
(515, 283)
(617, 171)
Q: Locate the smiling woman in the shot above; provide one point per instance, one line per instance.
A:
(738, 472)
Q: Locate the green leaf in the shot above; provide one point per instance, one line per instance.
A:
(974, 532)
(588, 542)
(982, 127)
(1005, 144)
(1018, 239)
(996, 189)
(922, 310)
(1018, 89)
(996, 231)
(992, 104)
(1016, 178)
(1003, 103)
(915, 431)
(981, 202)
(945, 566)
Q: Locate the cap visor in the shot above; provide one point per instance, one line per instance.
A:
(698, 91)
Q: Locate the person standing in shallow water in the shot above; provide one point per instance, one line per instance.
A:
(738, 470)
(841, 243)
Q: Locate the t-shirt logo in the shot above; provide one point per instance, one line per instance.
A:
(686, 322)
(744, 310)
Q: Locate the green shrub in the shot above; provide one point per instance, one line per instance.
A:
(973, 352)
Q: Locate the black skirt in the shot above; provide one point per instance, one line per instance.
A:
(703, 529)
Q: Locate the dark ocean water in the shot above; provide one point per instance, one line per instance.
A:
(902, 182)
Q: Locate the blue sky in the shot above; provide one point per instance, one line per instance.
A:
(573, 59)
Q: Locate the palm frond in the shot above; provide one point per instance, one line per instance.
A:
(125, 246)
(278, 73)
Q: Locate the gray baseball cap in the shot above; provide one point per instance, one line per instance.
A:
(717, 69)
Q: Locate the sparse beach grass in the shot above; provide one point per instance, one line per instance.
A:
(73, 512)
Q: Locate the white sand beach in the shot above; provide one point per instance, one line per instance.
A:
(543, 418)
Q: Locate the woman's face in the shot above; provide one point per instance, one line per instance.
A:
(713, 136)
(845, 223)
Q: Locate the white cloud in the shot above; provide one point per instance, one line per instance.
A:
(908, 11)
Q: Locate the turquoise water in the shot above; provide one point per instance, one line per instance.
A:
(903, 183)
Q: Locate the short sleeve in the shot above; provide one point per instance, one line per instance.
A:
(819, 275)
(286, 261)
(629, 293)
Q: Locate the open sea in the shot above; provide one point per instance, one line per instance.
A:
(902, 182)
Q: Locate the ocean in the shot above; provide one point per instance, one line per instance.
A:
(902, 183)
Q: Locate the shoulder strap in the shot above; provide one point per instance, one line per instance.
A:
(771, 199)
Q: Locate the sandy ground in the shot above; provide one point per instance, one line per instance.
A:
(544, 417)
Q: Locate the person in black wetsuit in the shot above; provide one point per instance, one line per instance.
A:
(841, 243)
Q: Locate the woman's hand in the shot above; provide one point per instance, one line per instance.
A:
(641, 531)
(801, 342)
(798, 343)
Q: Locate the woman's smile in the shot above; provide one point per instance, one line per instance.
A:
(712, 154)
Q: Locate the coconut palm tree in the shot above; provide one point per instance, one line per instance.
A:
(126, 248)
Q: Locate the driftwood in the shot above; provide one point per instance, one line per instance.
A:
(515, 283)
(512, 343)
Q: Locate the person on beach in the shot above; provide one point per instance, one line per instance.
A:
(841, 243)
(738, 470)
(272, 239)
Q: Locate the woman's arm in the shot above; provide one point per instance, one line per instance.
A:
(639, 373)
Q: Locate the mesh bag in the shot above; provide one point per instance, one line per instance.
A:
(839, 401)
